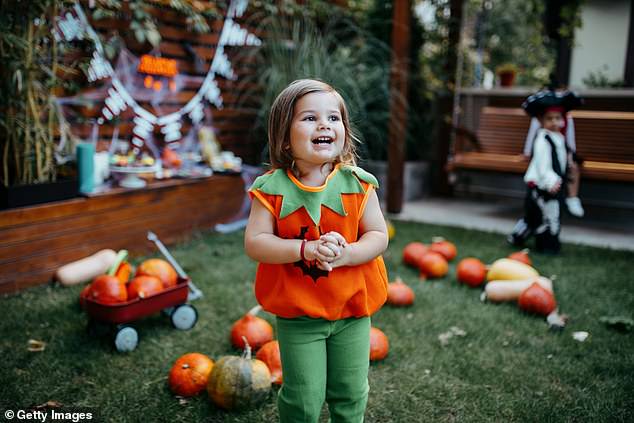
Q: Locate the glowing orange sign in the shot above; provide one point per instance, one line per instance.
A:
(153, 65)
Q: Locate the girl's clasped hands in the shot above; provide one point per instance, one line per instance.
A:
(330, 251)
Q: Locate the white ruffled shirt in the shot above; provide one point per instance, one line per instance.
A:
(540, 170)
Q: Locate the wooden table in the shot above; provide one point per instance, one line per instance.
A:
(36, 240)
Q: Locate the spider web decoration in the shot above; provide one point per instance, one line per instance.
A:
(74, 25)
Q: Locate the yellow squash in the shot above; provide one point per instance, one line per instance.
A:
(510, 270)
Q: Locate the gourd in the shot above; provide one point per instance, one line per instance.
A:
(269, 354)
(399, 294)
(160, 269)
(144, 286)
(471, 271)
(499, 291)
(190, 374)
(443, 247)
(254, 329)
(86, 268)
(433, 265)
(537, 300)
(521, 256)
(413, 252)
(379, 344)
(507, 269)
(238, 383)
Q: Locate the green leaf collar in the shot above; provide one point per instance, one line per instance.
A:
(342, 180)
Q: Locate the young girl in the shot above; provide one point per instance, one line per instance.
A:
(317, 231)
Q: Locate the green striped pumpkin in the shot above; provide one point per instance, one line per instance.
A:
(238, 383)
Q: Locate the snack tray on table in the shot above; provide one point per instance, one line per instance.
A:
(131, 179)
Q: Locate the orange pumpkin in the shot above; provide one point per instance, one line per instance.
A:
(433, 265)
(443, 247)
(399, 294)
(144, 286)
(413, 252)
(537, 300)
(270, 355)
(379, 344)
(471, 271)
(190, 374)
(160, 269)
(521, 256)
(106, 289)
(256, 330)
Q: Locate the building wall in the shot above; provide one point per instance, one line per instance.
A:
(601, 43)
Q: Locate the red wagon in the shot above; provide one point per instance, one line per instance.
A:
(171, 301)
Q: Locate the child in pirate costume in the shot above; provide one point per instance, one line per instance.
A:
(546, 175)
(573, 203)
(317, 231)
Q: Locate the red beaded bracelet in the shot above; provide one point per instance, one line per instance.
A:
(301, 249)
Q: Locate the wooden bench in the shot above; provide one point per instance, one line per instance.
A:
(605, 140)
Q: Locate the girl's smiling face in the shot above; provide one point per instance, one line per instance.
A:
(317, 133)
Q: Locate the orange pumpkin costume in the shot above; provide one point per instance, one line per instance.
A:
(303, 212)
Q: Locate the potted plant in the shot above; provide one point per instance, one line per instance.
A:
(506, 73)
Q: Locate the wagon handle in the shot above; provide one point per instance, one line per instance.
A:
(194, 292)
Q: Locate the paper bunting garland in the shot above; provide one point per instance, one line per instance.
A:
(74, 25)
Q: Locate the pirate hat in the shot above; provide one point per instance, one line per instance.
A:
(538, 103)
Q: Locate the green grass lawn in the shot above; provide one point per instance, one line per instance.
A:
(508, 367)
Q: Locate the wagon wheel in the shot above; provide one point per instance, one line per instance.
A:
(184, 317)
(126, 338)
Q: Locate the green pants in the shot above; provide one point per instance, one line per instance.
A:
(323, 360)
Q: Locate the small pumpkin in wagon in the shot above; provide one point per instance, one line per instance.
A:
(239, 383)
(158, 268)
(144, 286)
(106, 289)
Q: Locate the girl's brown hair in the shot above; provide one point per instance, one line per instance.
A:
(281, 117)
